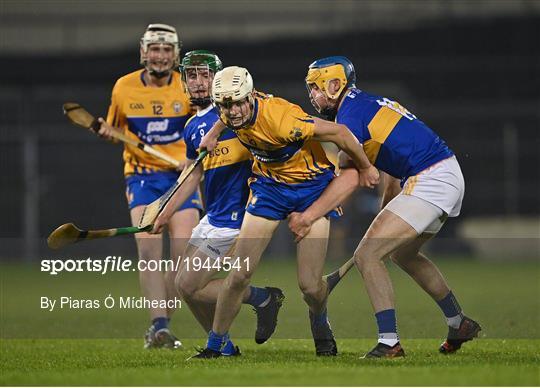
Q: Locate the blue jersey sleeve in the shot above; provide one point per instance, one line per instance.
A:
(191, 148)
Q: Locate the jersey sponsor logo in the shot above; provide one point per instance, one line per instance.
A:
(136, 105)
(157, 126)
(227, 153)
(218, 151)
(153, 130)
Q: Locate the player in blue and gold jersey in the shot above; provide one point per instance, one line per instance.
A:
(290, 170)
(423, 186)
(152, 106)
(226, 172)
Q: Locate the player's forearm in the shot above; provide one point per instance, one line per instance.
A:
(216, 129)
(184, 192)
(335, 193)
(350, 145)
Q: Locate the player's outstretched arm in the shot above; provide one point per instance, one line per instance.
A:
(209, 141)
(339, 189)
(340, 135)
(183, 193)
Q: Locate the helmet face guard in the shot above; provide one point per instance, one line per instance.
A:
(321, 73)
(244, 106)
(232, 89)
(161, 34)
(200, 61)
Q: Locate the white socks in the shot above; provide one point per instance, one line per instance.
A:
(455, 321)
(390, 339)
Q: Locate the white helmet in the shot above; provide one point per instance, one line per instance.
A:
(230, 85)
(164, 34)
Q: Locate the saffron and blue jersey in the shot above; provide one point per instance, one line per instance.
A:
(290, 168)
(155, 116)
(394, 140)
(226, 171)
(280, 138)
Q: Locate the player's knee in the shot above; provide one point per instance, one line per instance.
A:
(239, 280)
(398, 259)
(366, 254)
(311, 289)
(186, 290)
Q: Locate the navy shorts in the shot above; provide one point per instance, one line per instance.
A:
(143, 189)
(275, 201)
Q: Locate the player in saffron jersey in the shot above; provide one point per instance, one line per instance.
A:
(152, 106)
(423, 186)
(290, 170)
(226, 172)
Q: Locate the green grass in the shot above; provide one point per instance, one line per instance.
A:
(280, 362)
(104, 347)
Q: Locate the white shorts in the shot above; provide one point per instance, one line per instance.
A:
(213, 241)
(431, 196)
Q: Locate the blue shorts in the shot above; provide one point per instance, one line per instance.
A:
(275, 201)
(143, 189)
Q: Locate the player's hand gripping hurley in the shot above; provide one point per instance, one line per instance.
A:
(152, 210)
(80, 116)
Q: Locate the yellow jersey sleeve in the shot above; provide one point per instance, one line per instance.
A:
(295, 125)
(114, 113)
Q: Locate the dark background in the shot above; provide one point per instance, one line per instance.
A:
(473, 78)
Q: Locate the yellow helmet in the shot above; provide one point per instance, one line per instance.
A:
(324, 70)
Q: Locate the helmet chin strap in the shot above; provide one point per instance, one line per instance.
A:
(202, 102)
(329, 113)
(159, 74)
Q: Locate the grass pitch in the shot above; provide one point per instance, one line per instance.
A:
(104, 347)
(280, 362)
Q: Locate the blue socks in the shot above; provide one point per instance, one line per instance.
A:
(228, 349)
(386, 322)
(320, 319)
(216, 341)
(160, 323)
(258, 297)
(451, 309)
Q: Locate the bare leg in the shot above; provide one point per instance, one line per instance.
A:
(199, 290)
(150, 247)
(420, 268)
(387, 233)
(311, 254)
(180, 226)
(255, 235)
